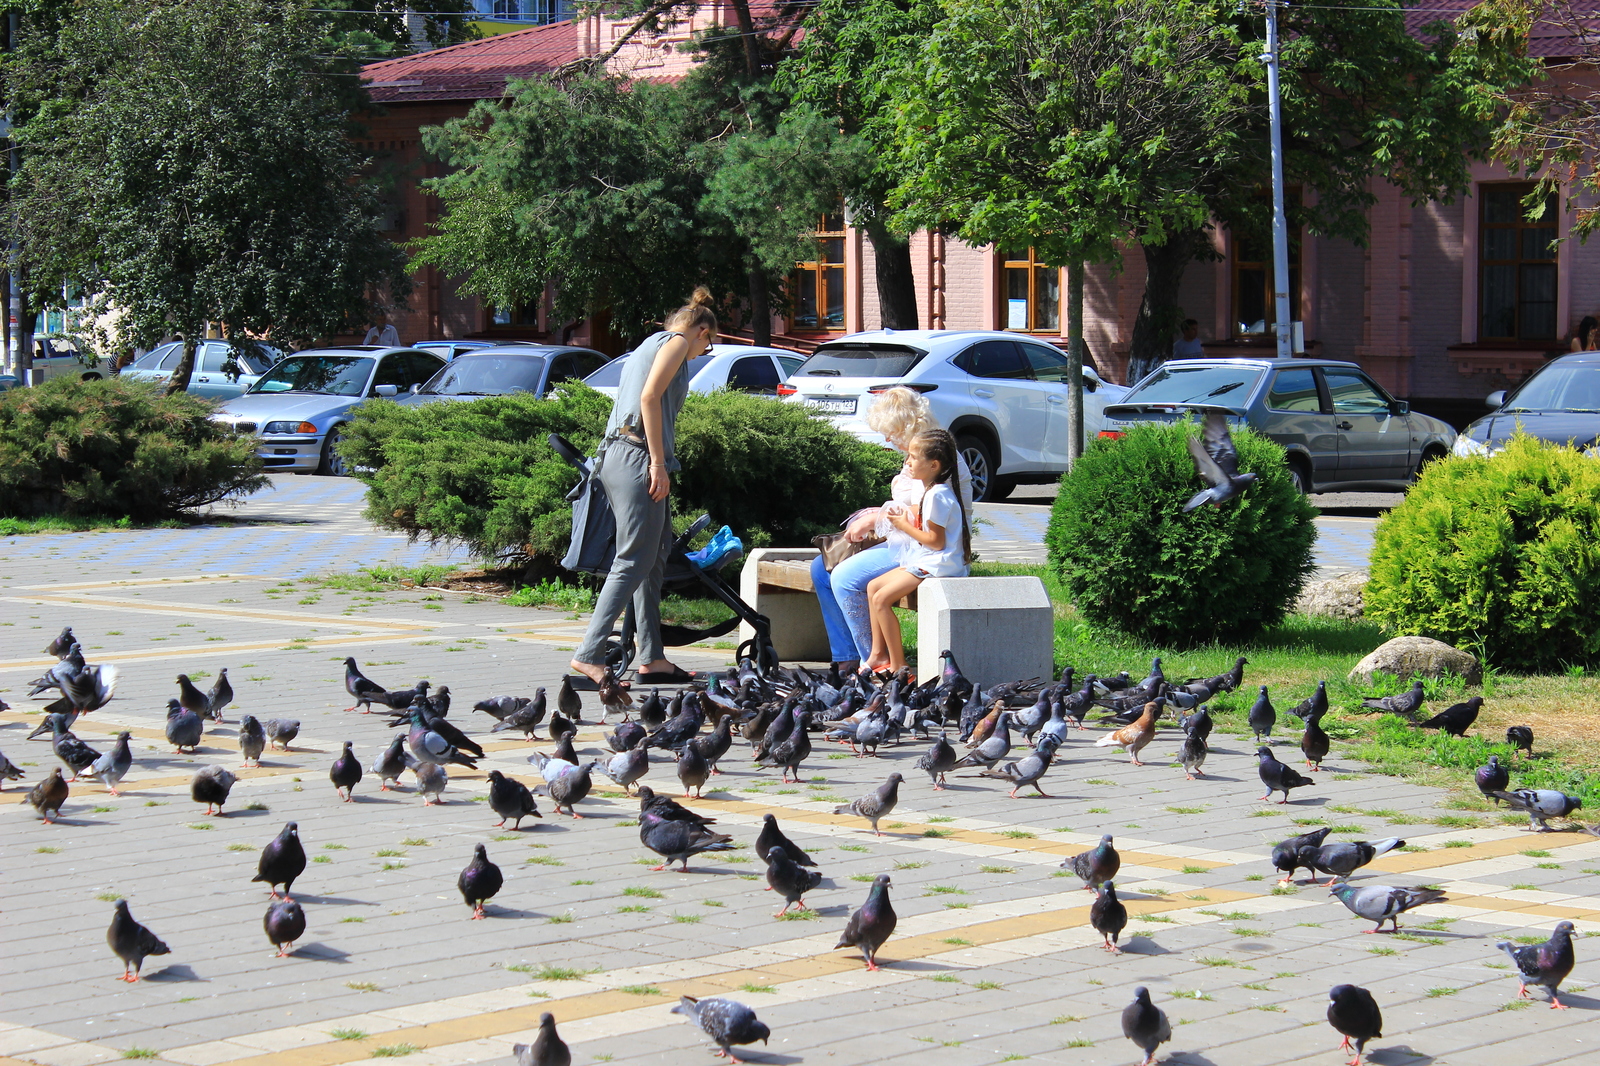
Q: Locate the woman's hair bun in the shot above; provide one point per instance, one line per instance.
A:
(701, 297)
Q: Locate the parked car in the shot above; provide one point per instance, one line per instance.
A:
(55, 357)
(222, 370)
(298, 409)
(1559, 403)
(1341, 430)
(500, 371)
(1003, 395)
(449, 349)
(739, 367)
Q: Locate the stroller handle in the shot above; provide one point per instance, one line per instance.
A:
(562, 447)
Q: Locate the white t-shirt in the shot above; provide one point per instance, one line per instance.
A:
(388, 336)
(939, 508)
(1182, 349)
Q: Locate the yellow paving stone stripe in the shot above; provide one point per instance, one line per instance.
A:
(1412, 861)
(220, 647)
(248, 614)
(193, 579)
(1518, 906)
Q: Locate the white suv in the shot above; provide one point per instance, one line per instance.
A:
(1003, 395)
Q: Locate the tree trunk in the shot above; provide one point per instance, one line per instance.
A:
(897, 286)
(747, 29)
(179, 381)
(760, 309)
(27, 318)
(5, 322)
(1074, 362)
(1159, 312)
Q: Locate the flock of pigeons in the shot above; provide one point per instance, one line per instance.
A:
(777, 715)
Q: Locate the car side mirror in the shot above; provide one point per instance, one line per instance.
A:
(416, 387)
(1399, 407)
(390, 391)
(1496, 398)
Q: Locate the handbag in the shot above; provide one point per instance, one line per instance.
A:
(836, 547)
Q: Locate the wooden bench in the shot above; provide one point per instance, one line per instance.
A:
(795, 575)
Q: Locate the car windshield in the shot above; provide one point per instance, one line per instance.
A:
(332, 375)
(1560, 388)
(487, 375)
(1197, 384)
(860, 361)
(610, 375)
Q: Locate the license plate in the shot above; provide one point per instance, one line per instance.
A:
(833, 406)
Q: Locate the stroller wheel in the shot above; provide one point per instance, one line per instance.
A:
(760, 652)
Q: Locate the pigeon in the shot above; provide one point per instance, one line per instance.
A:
(284, 922)
(715, 744)
(88, 690)
(1097, 865)
(1193, 756)
(1354, 1014)
(1136, 735)
(252, 740)
(875, 804)
(1457, 719)
(777, 731)
(1492, 778)
(62, 644)
(771, 836)
(939, 760)
(1262, 716)
(439, 702)
(571, 787)
(74, 754)
(10, 772)
(1314, 743)
(525, 718)
(479, 881)
(1277, 776)
(1343, 859)
(568, 702)
(282, 860)
(992, 748)
(362, 689)
(1316, 702)
(56, 677)
(789, 879)
(692, 769)
(668, 809)
(1540, 804)
(627, 767)
(725, 1021)
(48, 795)
(391, 763)
(1520, 737)
(131, 942)
(1286, 856)
(1383, 903)
(1406, 704)
(871, 924)
(613, 697)
(1145, 1023)
(547, 1049)
(431, 780)
(1217, 460)
(626, 736)
(345, 773)
(510, 798)
(498, 707)
(427, 744)
(184, 728)
(211, 786)
(220, 696)
(1544, 964)
(406, 698)
(1198, 724)
(1109, 916)
(564, 751)
(791, 751)
(281, 731)
(1028, 769)
(49, 722)
(191, 698)
(677, 840)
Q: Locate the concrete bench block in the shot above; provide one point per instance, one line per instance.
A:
(798, 634)
(999, 628)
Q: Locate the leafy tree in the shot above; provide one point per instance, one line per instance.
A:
(178, 196)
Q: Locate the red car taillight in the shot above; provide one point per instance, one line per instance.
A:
(787, 390)
(1112, 434)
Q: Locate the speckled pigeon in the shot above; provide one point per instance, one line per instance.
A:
(725, 1021)
(877, 804)
(1540, 804)
(1544, 964)
(872, 923)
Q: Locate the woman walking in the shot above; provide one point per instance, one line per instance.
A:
(635, 462)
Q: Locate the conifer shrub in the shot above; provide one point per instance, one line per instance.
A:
(1498, 555)
(480, 473)
(1133, 562)
(117, 448)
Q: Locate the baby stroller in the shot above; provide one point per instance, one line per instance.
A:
(593, 546)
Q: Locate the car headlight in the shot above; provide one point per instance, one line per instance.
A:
(288, 427)
(1465, 446)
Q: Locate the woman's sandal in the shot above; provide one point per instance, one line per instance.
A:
(676, 676)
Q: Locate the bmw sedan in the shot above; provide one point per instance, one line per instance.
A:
(1341, 430)
(1560, 403)
(299, 408)
(502, 371)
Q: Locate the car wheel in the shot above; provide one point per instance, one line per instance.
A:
(1299, 478)
(333, 464)
(981, 463)
(1429, 456)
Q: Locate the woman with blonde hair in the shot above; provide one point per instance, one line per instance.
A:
(900, 415)
(634, 464)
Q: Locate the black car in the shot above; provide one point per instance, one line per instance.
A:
(1560, 403)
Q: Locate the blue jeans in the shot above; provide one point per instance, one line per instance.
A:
(843, 598)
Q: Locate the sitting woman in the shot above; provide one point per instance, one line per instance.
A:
(934, 540)
(900, 415)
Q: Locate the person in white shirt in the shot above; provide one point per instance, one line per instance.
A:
(1187, 346)
(383, 333)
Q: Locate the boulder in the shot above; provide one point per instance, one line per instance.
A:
(1405, 657)
(1334, 597)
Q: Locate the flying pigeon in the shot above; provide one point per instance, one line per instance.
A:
(284, 922)
(1263, 716)
(771, 836)
(211, 785)
(1457, 719)
(131, 942)
(345, 773)
(88, 690)
(1217, 460)
(547, 1049)
(1277, 776)
(1406, 704)
(1384, 903)
(184, 727)
(479, 881)
(1145, 1024)
(282, 860)
(220, 696)
(1343, 859)
(789, 879)
(1540, 804)
(871, 924)
(1492, 778)
(875, 804)
(1286, 856)
(252, 740)
(1544, 964)
(48, 795)
(1520, 737)
(56, 677)
(510, 798)
(1354, 1014)
(1095, 866)
(281, 731)
(1109, 916)
(725, 1021)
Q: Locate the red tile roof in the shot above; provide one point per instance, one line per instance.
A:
(476, 70)
(1551, 38)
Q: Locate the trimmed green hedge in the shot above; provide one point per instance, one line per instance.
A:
(1497, 555)
(481, 474)
(1133, 562)
(116, 448)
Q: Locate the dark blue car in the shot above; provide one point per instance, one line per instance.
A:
(1560, 403)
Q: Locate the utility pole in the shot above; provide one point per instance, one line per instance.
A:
(1283, 325)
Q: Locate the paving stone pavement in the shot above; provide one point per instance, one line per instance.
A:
(992, 961)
